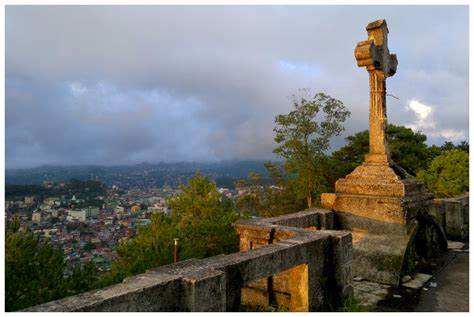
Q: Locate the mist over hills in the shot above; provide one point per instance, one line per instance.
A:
(224, 173)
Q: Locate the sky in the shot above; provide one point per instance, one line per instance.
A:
(110, 85)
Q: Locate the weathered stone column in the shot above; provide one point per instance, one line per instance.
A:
(375, 56)
(379, 151)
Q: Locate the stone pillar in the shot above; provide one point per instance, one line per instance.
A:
(454, 219)
(378, 146)
(206, 291)
(255, 293)
(343, 263)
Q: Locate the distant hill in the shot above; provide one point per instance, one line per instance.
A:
(140, 175)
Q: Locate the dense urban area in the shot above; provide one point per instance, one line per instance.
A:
(87, 219)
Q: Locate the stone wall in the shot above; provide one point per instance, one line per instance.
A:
(320, 260)
(288, 289)
(452, 214)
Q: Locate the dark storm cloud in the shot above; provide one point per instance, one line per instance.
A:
(125, 84)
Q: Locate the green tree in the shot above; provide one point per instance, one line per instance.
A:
(407, 149)
(35, 271)
(448, 174)
(347, 158)
(89, 246)
(259, 199)
(83, 278)
(201, 220)
(448, 145)
(303, 140)
(204, 218)
(252, 192)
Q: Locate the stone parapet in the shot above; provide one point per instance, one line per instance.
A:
(452, 214)
(319, 264)
(286, 289)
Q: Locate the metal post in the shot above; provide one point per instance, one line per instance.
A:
(175, 256)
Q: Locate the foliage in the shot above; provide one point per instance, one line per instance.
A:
(407, 148)
(351, 304)
(204, 218)
(270, 201)
(82, 279)
(347, 158)
(89, 246)
(152, 247)
(463, 146)
(35, 271)
(448, 174)
(303, 141)
(201, 220)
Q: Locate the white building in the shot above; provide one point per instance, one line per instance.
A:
(162, 209)
(76, 215)
(29, 200)
(119, 209)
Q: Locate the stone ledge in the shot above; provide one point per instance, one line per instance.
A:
(214, 284)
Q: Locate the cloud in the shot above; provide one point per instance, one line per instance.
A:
(424, 115)
(77, 89)
(450, 134)
(122, 84)
(297, 69)
(98, 123)
(425, 122)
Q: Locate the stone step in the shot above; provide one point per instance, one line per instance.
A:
(380, 187)
(379, 257)
(370, 187)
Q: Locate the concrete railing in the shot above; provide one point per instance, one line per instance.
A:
(452, 214)
(321, 259)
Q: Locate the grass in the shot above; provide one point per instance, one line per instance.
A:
(351, 304)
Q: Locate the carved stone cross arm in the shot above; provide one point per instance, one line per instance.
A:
(373, 54)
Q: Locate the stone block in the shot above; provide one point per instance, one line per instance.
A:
(328, 200)
(260, 284)
(455, 245)
(349, 221)
(386, 209)
(437, 209)
(254, 297)
(326, 219)
(283, 300)
(454, 219)
(300, 290)
(281, 282)
(380, 257)
(343, 270)
(370, 187)
(139, 293)
(205, 290)
(418, 281)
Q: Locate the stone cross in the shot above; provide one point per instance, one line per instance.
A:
(375, 56)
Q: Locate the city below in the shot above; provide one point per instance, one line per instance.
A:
(88, 218)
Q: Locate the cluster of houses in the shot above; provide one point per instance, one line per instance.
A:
(89, 233)
(92, 233)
